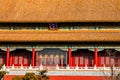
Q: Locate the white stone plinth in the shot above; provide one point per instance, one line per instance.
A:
(41, 67)
(57, 67)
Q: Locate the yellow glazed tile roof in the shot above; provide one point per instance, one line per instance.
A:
(59, 10)
(54, 36)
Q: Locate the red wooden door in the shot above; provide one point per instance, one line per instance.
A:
(91, 61)
(73, 60)
(101, 61)
(1, 59)
(26, 60)
(107, 61)
(81, 61)
(85, 60)
(20, 59)
(118, 60)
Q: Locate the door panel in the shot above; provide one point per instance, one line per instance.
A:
(15, 60)
(2, 58)
(21, 59)
(108, 61)
(73, 61)
(25, 60)
(82, 61)
(118, 61)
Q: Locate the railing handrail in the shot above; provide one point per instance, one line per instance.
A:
(57, 67)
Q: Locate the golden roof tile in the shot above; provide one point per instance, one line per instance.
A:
(59, 10)
(59, 35)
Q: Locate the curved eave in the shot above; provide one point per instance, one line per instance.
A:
(59, 10)
(56, 36)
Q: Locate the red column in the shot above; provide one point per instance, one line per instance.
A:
(69, 57)
(96, 56)
(11, 56)
(7, 56)
(33, 57)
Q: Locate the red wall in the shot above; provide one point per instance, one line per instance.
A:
(9, 77)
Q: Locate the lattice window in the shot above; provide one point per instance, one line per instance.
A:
(86, 59)
(112, 61)
(102, 60)
(48, 60)
(1, 59)
(91, 60)
(61, 61)
(43, 60)
(20, 59)
(16, 59)
(56, 59)
(40, 59)
(107, 60)
(25, 59)
(119, 60)
(61, 58)
(51, 59)
(81, 59)
(76, 60)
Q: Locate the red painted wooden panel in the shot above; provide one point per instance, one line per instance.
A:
(37, 62)
(25, 60)
(2, 57)
(77, 78)
(105, 59)
(49, 61)
(9, 77)
(21, 58)
(84, 58)
(73, 61)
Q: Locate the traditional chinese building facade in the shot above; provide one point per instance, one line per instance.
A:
(73, 39)
(63, 53)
